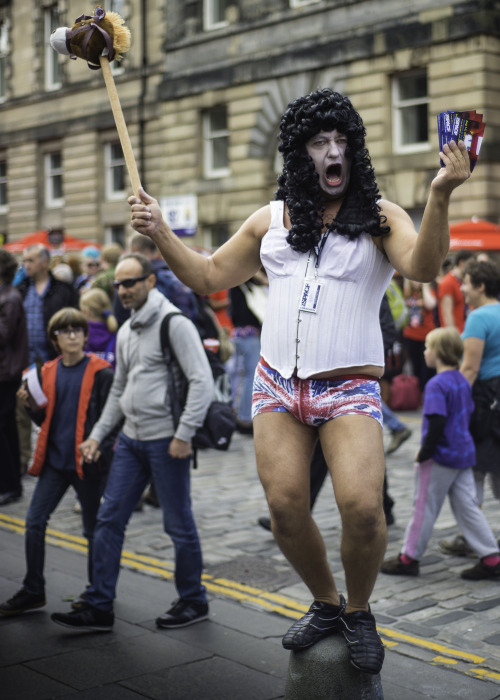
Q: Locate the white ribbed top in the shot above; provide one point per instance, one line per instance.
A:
(345, 331)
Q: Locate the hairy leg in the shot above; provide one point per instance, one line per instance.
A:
(353, 448)
(283, 448)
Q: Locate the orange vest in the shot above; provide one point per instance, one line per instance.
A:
(49, 371)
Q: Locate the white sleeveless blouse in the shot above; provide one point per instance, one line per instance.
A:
(345, 329)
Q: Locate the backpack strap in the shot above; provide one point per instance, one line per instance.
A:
(175, 404)
(169, 356)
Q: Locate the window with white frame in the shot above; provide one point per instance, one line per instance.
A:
(215, 236)
(114, 168)
(54, 172)
(3, 187)
(4, 43)
(410, 102)
(115, 234)
(216, 142)
(301, 3)
(116, 6)
(214, 14)
(53, 70)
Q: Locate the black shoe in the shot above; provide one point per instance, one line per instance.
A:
(183, 613)
(389, 519)
(265, 523)
(321, 621)
(80, 602)
(87, 618)
(398, 437)
(395, 567)
(481, 571)
(245, 427)
(151, 498)
(10, 497)
(366, 651)
(21, 602)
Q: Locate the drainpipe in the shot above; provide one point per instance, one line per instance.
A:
(142, 96)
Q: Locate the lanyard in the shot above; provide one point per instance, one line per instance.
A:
(317, 251)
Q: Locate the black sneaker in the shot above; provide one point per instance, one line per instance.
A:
(481, 571)
(21, 602)
(395, 567)
(87, 618)
(320, 621)
(183, 613)
(265, 522)
(365, 648)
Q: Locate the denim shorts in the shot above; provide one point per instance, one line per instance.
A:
(315, 401)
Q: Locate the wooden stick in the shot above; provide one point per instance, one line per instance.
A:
(120, 124)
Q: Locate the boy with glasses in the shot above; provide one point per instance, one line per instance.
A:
(76, 385)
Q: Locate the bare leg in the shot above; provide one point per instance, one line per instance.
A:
(353, 449)
(283, 448)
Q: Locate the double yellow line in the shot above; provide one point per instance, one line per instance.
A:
(470, 664)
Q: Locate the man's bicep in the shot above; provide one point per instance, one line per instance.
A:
(399, 244)
(238, 259)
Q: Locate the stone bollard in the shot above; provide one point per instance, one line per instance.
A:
(323, 672)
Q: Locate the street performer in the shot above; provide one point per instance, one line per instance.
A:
(329, 245)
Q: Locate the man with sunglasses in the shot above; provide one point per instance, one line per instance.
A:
(149, 445)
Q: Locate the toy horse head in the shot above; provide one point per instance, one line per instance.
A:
(90, 37)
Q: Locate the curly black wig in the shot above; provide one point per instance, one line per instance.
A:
(325, 110)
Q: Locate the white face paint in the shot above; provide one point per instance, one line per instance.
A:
(327, 149)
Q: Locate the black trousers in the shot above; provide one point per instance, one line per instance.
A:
(10, 468)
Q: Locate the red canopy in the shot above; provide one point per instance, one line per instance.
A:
(474, 234)
(68, 243)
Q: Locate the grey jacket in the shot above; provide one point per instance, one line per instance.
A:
(139, 389)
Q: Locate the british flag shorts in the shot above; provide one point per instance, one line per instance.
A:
(315, 401)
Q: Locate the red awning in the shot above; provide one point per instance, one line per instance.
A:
(69, 242)
(474, 234)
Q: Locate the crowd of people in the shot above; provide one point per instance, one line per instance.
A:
(300, 289)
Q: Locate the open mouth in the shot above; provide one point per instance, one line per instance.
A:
(334, 174)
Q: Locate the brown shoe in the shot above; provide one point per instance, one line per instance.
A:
(458, 547)
(395, 567)
(398, 437)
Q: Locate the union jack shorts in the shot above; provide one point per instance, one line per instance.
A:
(315, 401)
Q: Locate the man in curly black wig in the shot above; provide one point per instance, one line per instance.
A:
(329, 246)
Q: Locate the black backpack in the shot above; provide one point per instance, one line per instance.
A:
(220, 421)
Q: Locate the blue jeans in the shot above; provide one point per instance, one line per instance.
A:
(247, 356)
(391, 422)
(134, 463)
(51, 486)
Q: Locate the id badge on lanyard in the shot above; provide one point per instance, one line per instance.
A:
(311, 290)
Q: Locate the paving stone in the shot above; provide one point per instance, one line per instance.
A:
(413, 606)
(483, 605)
(418, 630)
(441, 620)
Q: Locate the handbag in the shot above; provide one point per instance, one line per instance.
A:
(485, 420)
(220, 421)
(405, 393)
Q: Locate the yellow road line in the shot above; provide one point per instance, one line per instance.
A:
(272, 602)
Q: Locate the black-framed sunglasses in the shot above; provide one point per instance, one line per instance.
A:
(66, 332)
(128, 283)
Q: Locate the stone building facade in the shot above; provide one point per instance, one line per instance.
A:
(202, 89)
